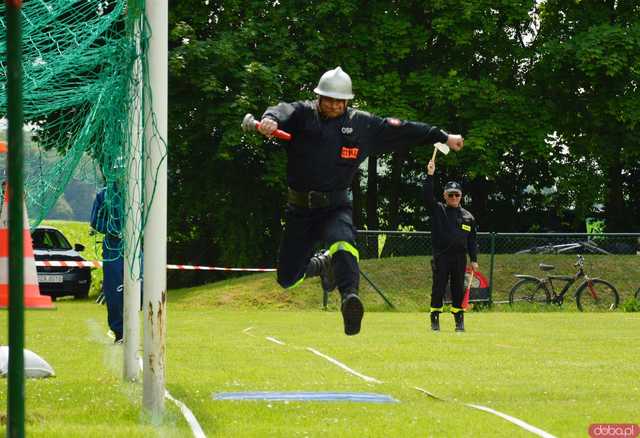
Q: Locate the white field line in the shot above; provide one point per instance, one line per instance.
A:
(524, 425)
(188, 415)
(430, 394)
(343, 366)
(247, 330)
(330, 359)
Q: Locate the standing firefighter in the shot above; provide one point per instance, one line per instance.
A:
(453, 232)
(329, 141)
(107, 218)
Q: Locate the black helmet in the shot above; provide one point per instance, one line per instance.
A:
(452, 186)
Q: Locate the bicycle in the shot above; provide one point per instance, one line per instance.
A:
(586, 246)
(592, 295)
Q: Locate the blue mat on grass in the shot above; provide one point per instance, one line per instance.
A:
(361, 397)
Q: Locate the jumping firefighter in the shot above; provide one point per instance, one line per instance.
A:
(453, 233)
(329, 142)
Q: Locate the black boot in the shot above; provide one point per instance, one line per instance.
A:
(459, 318)
(352, 312)
(435, 321)
(320, 264)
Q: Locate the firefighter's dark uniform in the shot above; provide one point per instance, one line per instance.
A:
(323, 157)
(107, 218)
(453, 233)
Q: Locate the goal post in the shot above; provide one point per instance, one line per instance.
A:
(155, 198)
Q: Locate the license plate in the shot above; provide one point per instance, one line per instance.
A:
(49, 278)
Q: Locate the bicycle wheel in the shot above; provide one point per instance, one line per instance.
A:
(597, 296)
(528, 292)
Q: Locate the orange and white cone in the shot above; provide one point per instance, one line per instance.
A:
(32, 297)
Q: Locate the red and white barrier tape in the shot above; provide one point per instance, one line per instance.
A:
(96, 264)
(214, 268)
(68, 264)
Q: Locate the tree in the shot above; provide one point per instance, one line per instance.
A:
(472, 67)
(588, 71)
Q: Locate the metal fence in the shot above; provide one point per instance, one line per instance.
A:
(406, 274)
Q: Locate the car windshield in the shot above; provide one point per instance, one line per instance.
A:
(50, 239)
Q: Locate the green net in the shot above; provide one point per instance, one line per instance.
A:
(82, 69)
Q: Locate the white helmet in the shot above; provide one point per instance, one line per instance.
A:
(335, 83)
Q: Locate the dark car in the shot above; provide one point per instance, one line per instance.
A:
(49, 244)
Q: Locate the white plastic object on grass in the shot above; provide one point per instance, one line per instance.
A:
(34, 366)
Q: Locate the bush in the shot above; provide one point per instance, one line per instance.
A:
(631, 305)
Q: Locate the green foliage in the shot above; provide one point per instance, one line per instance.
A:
(75, 203)
(631, 305)
(544, 92)
(588, 68)
(455, 65)
(537, 90)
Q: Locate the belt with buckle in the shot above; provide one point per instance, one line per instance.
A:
(314, 199)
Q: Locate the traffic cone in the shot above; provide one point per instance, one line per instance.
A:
(32, 297)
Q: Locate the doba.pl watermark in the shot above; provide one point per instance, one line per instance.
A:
(614, 430)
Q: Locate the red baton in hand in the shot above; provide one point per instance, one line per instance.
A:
(249, 123)
(465, 299)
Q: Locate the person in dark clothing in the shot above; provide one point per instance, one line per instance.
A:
(329, 142)
(453, 233)
(107, 218)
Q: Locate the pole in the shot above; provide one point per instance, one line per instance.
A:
(155, 199)
(133, 217)
(377, 289)
(491, 263)
(15, 410)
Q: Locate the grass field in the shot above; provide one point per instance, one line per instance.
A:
(557, 371)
